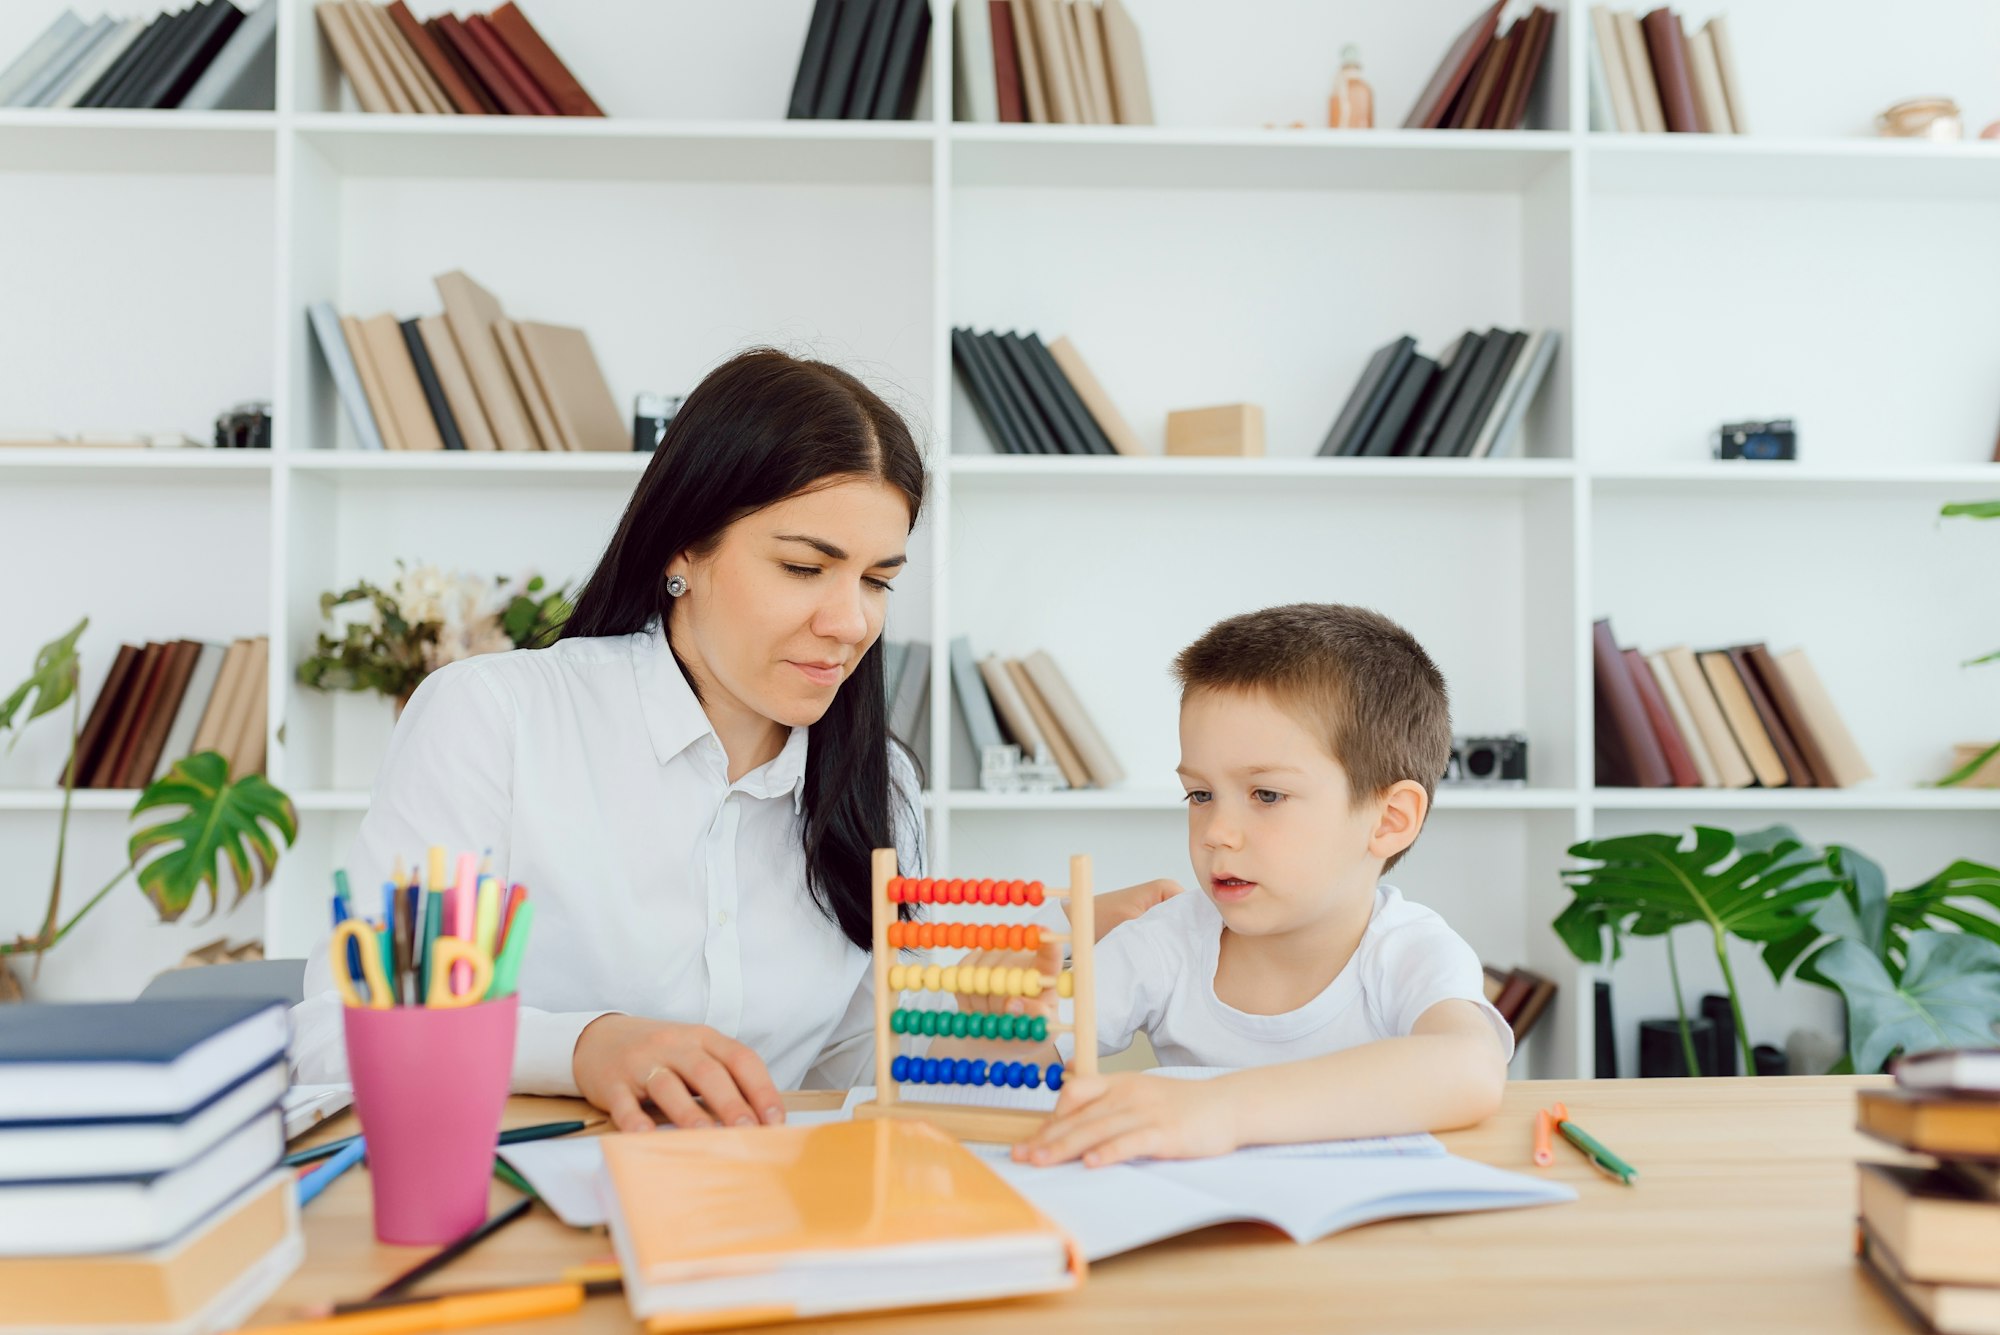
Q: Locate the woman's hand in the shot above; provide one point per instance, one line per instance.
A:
(1116, 906)
(1107, 1119)
(622, 1060)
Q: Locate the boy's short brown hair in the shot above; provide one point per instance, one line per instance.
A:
(1355, 679)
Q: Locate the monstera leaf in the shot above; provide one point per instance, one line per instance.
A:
(53, 683)
(1864, 911)
(224, 819)
(1948, 996)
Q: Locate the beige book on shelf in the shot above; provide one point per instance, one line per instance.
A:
(1112, 422)
(256, 732)
(1731, 769)
(456, 382)
(1090, 42)
(354, 61)
(508, 334)
(1610, 50)
(1074, 719)
(1707, 75)
(401, 59)
(1717, 29)
(579, 399)
(1075, 773)
(1046, 18)
(1843, 757)
(377, 57)
(1013, 710)
(233, 742)
(398, 374)
(1125, 59)
(1034, 89)
(471, 310)
(1697, 746)
(1744, 724)
(208, 735)
(1639, 65)
(1079, 78)
(371, 383)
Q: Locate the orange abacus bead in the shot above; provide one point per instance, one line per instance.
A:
(930, 934)
(1035, 893)
(955, 935)
(1015, 936)
(1032, 939)
(895, 889)
(981, 937)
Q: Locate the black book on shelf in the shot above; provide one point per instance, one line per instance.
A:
(1072, 402)
(112, 80)
(874, 58)
(1371, 393)
(447, 424)
(142, 75)
(1604, 1033)
(1409, 392)
(812, 60)
(1014, 391)
(896, 99)
(843, 57)
(1453, 363)
(1489, 396)
(985, 395)
(1069, 438)
(1481, 379)
(205, 40)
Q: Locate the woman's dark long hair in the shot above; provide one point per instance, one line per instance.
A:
(761, 427)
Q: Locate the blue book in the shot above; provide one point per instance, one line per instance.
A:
(98, 1060)
(346, 379)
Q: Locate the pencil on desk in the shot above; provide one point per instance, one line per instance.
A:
(470, 1311)
(1591, 1149)
(322, 1177)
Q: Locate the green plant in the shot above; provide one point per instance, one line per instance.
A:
(240, 821)
(1972, 510)
(1752, 886)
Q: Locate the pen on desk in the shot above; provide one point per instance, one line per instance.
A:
(1591, 1149)
(343, 909)
(456, 1249)
(433, 928)
(1544, 1151)
(595, 1280)
(318, 1180)
(515, 1136)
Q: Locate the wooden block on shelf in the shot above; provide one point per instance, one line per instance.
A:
(1986, 776)
(1230, 429)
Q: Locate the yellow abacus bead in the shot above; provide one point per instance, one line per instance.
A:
(933, 978)
(1065, 984)
(1015, 987)
(982, 981)
(896, 982)
(1031, 984)
(950, 978)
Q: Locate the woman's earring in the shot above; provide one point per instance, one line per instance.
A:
(676, 586)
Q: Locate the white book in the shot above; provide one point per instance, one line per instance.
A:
(975, 86)
(36, 58)
(346, 376)
(66, 69)
(1524, 378)
(135, 1147)
(1704, 764)
(1725, 59)
(1608, 54)
(50, 77)
(1707, 76)
(194, 703)
(102, 57)
(980, 724)
(1975, 1070)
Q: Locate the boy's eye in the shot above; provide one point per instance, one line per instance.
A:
(1197, 797)
(1267, 797)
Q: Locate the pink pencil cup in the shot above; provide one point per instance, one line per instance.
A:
(429, 1088)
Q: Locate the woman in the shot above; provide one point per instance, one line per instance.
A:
(690, 782)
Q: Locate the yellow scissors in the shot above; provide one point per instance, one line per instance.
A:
(373, 975)
(446, 952)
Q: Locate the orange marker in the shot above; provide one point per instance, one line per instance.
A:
(1545, 1126)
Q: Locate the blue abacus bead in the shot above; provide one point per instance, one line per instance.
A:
(943, 1072)
(1034, 1076)
(962, 1072)
(1055, 1075)
(899, 1069)
(979, 1073)
(1013, 1075)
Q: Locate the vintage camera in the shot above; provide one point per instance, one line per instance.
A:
(247, 426)
(1775, 439)
(1489, 762)
(651, 414)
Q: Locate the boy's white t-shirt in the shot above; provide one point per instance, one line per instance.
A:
(1156, 974)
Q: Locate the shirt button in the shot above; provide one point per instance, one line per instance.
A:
(722, 918)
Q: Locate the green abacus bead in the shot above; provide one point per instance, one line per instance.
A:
(1007, 1026)
(931, 1020)
(989, 1026)
(895, 1022)
(1038, 1028)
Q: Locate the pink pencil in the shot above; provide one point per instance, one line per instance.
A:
(464, 901)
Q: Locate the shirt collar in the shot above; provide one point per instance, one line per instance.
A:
(675, 721)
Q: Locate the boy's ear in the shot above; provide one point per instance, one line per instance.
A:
(1404, 807)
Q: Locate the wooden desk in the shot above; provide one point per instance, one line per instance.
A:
(1742, 1219)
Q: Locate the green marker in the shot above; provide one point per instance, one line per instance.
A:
(1597, 1153)
(507, 968)
(433, 926)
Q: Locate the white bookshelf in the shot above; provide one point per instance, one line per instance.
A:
(1805, 270)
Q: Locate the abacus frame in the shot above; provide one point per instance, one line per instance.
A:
(1002, 1125)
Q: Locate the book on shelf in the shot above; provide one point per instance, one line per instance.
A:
(210, 56)
(1470, 401)
(483, 64)
(1036, 398)
(1494, 93)
(909, 708)
(1028, 702)
(164, 701)
(1658, 78)
(1717, 718)
(862, 60)
(1521, 996)
(1064, 62)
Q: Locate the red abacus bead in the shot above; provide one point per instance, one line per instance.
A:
(979, 894)
(1018, 892)
(959, 891)
(943, 891)
(955, 937)
(896, 934)
(1032, 938)
(1035, 893)
(895, 890)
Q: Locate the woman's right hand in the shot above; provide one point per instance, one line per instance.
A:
(622, 1060)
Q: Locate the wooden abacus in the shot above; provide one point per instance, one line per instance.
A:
(892, 977)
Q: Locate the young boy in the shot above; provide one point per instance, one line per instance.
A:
(1311, 738)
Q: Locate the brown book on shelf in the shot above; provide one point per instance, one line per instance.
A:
(1779, 691)
(356, 61)
(1125, 57)
(1523, 1021)
(466, 74)
(90, 742)
(1668, 49)
(1731, 769)
(1434, 103)
(1789, 754)
(1081, 379)
(1006, 63)
(1951, 1309)
(471, 310)
(401, 389)
(1936, 1231)
(510, 67)
(1639, 66)
(369, 38)
(175, 670)
(1632, 736)
(1513, 993)
(208, 735)
(1843, 757)
(256, 730)
(1673, 747)
(371, 383)
(444, 75)
(1697, 745)
(542, 62)
(425, 95)
(1066, 758)
(579, 399)
(1034, 88)
(458, 40)
(1526, 68)
(508, 335)
(1073, 719)
(1734, 700)
(456, 382)
(1940, 1124)
(247, 712)
(132, 719)
(1482, 90)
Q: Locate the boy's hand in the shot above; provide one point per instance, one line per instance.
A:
(1117, 906)
(1107, 1119)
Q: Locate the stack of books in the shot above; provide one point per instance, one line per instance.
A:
(208, 57)
(140, 1186)
(1520, 995)
(1060, 62)
(1038, 399)
(1468, 402)
(1930, 1234)
(1028, 702)
(1648, 76)
(863, 60)
(1487, 76)
(469, 379)
(167, 700)
(1717, 718)
(483, 65)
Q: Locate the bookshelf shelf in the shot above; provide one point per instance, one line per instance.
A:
(1685, 165)
(231, 143)
(991, 471)
(1865, 799)
(51, 799)
(460, 464)
(86, 461)
(1794, 482)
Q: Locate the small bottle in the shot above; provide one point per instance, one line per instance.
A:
(1352, 106)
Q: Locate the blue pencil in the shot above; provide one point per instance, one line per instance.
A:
(313, 1183)
(340, 915)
